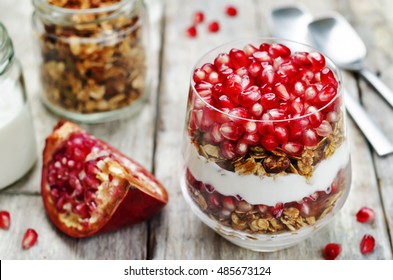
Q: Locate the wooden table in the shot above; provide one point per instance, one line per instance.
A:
(154, 136)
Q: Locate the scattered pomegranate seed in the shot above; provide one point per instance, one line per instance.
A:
(29, 239)
(5, 220)
(191, 31)
(231, 11)
(213, 27)
(365, 215)
(367, 244)
(198, 17)
(331, 251)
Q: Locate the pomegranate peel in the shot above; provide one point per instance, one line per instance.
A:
(89, 187)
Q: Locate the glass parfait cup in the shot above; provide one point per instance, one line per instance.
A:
(265, 153)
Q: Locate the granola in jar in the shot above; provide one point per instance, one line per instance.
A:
(94, 60)
(266, 160)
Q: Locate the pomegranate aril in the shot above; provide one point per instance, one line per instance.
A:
(214, 200)
(249, 97)
(242, 71)
(281, 92)
(277, 210)
(365, 215)
(315, 117)
(324, 129)
(287, 69)
(238, 58)
(326, 94)
(198, 17)
(244, 206)
(29, 239)
(306, 76)
(213, 78)
(300, 59)
(256, 110)
(269, 142)
(332, 117)
(249, 49)
(276, 114)
(213, 27)
(299, 123)
(262, 56)
(367, 244)
(268, 76)
(293, 148)
(310, 93)
(327, 77)
(228, 150)
(269, 101)
(310, 138)
(225, 102)
(251, 139)
(279, 50)
(208, 68)
(250, 127)
(297, 106)
(254, 69)
(241, 148)
(199, 75)
(231, 131)
(228, 203)
(5, 220)
(191, 31)
(231, 11)
(220, 60)
(215, 133)
(239, 115)
(331, 251)
(317, 61)
(281, 134)
(217, 89)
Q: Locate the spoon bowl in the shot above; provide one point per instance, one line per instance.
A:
(334, 36)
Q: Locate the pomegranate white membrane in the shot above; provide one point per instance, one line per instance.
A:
(17, 142)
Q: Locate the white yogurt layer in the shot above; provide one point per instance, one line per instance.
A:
(266, 190)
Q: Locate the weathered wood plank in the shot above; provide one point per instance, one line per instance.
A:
(179, 234)
(135, 137)
(377, 34)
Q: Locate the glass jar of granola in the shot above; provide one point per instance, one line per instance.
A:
(265, 158)
(93, 57)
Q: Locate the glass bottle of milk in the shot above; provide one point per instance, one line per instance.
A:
(17, 142)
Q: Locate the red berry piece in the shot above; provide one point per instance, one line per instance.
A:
(269, 142)
(5, 220)
(365, 215)
(198, 17)
(213, 27)
(231, 131)
(191, 31)
(317, 61)
(29, 239)
(367, 244)
(331, 251)
(231, 11)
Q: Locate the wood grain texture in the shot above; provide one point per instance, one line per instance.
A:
(135, 137)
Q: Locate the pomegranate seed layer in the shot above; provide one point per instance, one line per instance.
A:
(267, 150)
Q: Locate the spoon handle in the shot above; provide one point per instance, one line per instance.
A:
(378, 85)
(374, 135)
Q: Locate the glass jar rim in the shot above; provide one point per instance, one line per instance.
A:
(43, 5)
(246, 41)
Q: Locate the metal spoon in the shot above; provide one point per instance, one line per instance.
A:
(334, 36)
(291, 23)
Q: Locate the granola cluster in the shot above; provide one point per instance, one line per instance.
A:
(262, 162)
(288, 217)
(95, 62)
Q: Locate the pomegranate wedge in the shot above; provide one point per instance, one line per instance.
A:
(89, 187)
